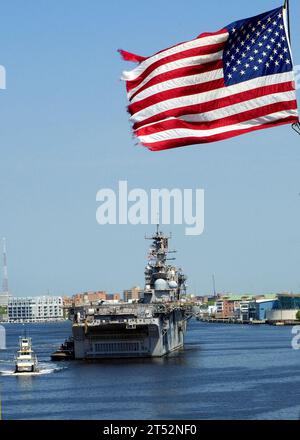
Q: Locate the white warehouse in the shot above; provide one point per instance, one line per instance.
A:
(35, 309)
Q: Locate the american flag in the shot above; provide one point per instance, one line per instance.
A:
(214, 87)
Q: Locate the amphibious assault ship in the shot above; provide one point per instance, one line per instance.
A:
(153, 327)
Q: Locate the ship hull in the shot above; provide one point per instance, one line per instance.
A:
(28, 368)
(136, 339)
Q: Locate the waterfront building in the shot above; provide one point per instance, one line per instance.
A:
(113, 297)
(288, 301)
(285, 308)
(224, 309)
(245, 307)
(134, 294)
(35, 309)
(263, 306)
(89, 297)
(211, 310)
(68, 301)
(247, 310)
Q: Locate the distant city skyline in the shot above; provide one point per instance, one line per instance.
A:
(65, 135)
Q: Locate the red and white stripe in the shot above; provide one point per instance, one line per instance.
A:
(178, 97)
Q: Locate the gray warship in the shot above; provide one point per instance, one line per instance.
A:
(153, 327)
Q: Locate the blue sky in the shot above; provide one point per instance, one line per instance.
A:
(64, 134)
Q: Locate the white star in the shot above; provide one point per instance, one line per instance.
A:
(255, 68)
(227, 64)
(260, 61)
(234, 30)
(275, 23)
(242, 43)
(269, 47)
(252, 41)
(265, 37)
(247, 65)
(272, 40)
(243, 72)
(283, 38)
(271, 58)
(232, 57)
(279, 15)
(281, 27)
(264, 26)
(268, 64)
(258, 34)
(234, 69)
(260, 44)
(237, 50)
(281, 56)
(251, 58)
(277, 34)
(239, 62)
(243, 55)
(229, 75)
(264, 54)
(259, 22)
(248, 36)
(285, 50)
(277, 63)
(288, 61)
(248, 48)
(278, 44)
(275, 51)
(270, 30)
(269, 19)
(253, 29)
(256, 51)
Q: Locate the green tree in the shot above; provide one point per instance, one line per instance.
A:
(298, 315)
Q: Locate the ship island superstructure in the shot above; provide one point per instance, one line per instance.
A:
(153, 327)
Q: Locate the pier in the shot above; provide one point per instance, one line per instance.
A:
(246, 322)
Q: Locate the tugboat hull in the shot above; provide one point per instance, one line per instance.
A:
(25, 369)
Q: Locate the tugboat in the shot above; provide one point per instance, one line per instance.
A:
(26, 360)
(153, 327)
(65, 352)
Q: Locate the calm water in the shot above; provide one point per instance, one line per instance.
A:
(225, 372)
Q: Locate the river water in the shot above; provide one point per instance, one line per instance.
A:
(225, 372)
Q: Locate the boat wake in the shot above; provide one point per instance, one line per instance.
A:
(42, 371)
